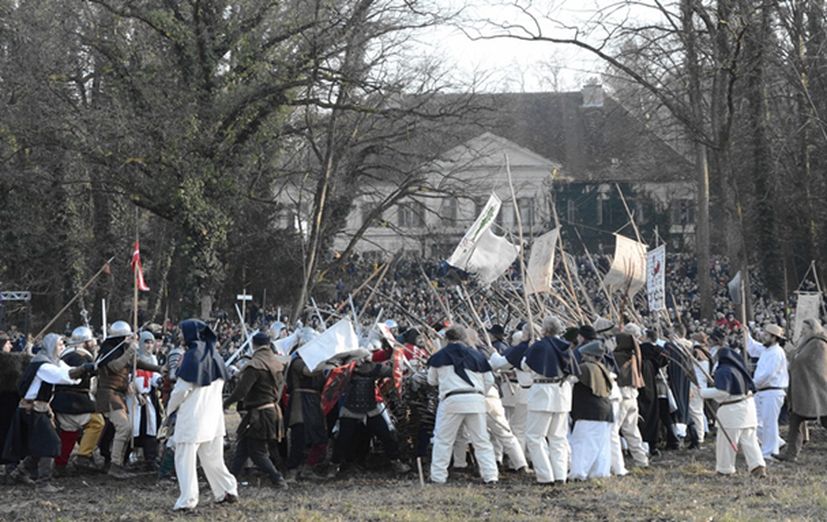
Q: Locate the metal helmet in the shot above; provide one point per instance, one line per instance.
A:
(81, 334)
(119, 329)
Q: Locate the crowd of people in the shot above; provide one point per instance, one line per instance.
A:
(445, 372)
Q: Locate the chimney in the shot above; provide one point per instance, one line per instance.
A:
(592, 96)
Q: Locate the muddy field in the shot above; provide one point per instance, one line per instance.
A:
(680, 485)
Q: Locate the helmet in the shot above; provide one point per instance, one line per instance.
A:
(81, 334)
(390, 323)
(119, 329)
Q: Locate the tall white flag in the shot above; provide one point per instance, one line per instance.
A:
(480, 251)
(628, 270)
(656, 278)
(540, 267)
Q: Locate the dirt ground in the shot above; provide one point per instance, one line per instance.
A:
(679, 485)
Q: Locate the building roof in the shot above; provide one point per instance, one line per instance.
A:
(593, 143)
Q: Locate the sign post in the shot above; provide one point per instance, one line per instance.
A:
(244, 298)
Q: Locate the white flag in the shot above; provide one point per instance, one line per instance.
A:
(480, 251)
(339, 339)
(628, 270)
(656, 278)
(483, 222)
(807, 307)
(540, 267)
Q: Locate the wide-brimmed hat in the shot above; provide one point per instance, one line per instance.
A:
(774, 329)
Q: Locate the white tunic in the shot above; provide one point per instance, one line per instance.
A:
(50, 374)
(549, 397)
(448, 381)
(738, 415)
(200, 411)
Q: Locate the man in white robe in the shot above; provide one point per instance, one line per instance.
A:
(199, 427)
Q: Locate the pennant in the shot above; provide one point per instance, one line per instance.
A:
(628, 270)
(656, 278)
(138, 269)
(540, 267)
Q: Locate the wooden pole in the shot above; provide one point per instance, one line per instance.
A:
(522, 250)
(71, 301)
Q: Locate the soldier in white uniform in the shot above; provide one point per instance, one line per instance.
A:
(463, 376)
(550, 362)
(771, 379)
(736, 413)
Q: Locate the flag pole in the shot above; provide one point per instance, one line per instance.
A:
(134, 331)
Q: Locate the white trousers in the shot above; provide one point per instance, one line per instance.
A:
(516, 416)
(211, 456)
(747, 440)
(768, 405)
(628, 427)
(618, 464)
(447, 427)
(548, 445)
(696, 412)
(590, 449)
(501, 434)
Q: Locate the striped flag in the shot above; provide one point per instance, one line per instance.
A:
(138, 269)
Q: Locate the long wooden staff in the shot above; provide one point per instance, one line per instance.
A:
(612, 308)
(563, 258)
(522, 249)
(103, 269)
(445, 308)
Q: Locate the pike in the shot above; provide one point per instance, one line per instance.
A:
(690, 373)
(522, 249)
(103, 269)
(445, 309)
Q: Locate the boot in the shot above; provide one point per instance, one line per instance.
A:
(291, 476)
(85, 464)
(399, 467)
(21, 476)
(280, 483)
(308, 473)
(759, 472)
(119, 472)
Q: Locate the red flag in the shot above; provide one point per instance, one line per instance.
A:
(335, 385)
(138, 269)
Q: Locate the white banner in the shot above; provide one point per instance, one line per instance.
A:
(656, 278)
(339, 339)
(808, 307)
(628, 270)
(491, 257)
(540, 267)
(483, 222)
(480, 251)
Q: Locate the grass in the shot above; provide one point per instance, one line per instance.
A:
(678, 486)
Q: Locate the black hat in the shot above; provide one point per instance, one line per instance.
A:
(261, 339)
(497, 330)
(587, 331)
(571, 334)
(717, 335)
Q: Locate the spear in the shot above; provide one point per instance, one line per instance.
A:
(522, 250)
(103, 269)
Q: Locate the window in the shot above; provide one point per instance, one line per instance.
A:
(526, 208)
(571, 214)
(683, 212)
(449, 211)
(599, 207)
(411, 215)
(367, 210)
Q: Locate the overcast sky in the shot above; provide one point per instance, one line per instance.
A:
(513, 65)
